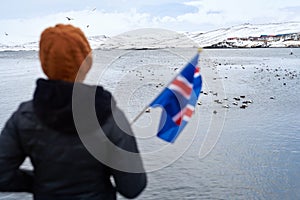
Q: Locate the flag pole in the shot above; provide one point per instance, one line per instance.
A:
(146, 107)
(139, 115)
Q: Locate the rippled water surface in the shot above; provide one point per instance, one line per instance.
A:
(251, 153)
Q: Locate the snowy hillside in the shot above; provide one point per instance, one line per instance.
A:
(245, 30)
(148, 39)
(161, 38)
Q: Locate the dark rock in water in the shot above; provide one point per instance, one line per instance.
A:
(243, 106)
(218, 101)
(225, 106)
(247, 101)
(235, 103)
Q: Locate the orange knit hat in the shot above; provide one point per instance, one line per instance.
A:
(63, 49)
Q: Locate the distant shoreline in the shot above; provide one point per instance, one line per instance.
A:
(210, 47)
(158, 48)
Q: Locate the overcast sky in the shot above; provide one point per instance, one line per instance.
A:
(27, 18)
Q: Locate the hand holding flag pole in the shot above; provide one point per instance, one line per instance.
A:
(178, 100)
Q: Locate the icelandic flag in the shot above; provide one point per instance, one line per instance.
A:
(178, 101)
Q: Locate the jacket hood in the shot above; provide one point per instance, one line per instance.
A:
(52, 102)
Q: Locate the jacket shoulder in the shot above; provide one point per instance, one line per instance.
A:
(25, 117)
(26, 106)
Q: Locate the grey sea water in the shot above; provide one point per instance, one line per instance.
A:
(252, 153)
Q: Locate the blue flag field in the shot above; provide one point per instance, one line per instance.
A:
(178, 101)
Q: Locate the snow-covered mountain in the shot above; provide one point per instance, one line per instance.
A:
(161, 38)
(148, 39)
(242, 31)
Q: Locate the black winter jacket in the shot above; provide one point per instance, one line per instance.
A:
(44, 130)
